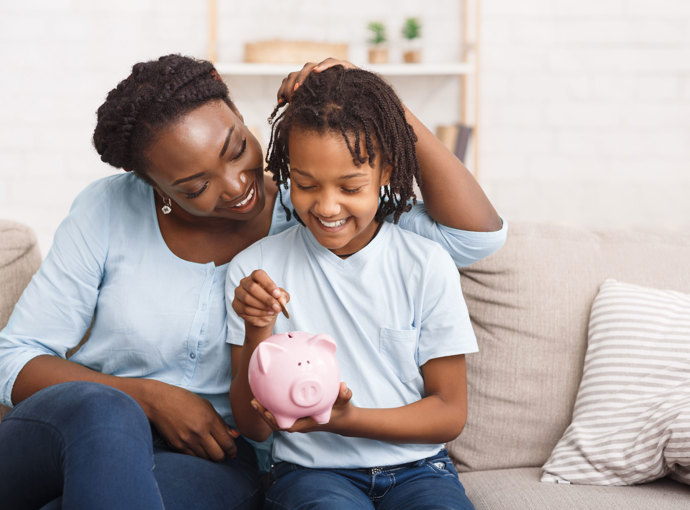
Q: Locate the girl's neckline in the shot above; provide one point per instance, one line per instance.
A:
(353, 261)
(376, 232)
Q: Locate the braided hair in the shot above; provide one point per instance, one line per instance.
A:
(155, 95)
(365, 111)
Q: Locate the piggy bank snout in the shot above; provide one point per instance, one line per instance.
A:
(306, 391)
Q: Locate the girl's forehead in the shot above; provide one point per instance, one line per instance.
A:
(352, 142)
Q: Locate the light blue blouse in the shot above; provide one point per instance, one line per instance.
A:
(154, 315)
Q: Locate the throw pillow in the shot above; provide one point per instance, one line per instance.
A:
(631, 420)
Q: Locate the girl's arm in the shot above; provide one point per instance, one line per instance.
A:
(439, 417)
(256, 302)
(249, 422)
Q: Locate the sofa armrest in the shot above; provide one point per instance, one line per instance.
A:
(20, 258)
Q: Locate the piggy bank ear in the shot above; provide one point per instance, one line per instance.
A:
(264, 352)
(323, 341)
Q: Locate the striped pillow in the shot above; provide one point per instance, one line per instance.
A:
(631, 421)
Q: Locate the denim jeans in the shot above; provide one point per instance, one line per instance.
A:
(427, 484)
(82, 445)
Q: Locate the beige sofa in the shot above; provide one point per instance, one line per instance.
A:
(530, 305)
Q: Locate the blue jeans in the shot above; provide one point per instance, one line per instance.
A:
(427, 484)
(82, 445)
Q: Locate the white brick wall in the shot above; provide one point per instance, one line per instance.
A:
(586, 111)
(585, 103)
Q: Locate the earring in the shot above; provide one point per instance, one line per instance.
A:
(166, 206)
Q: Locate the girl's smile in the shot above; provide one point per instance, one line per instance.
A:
(336, 199)
(334, 225)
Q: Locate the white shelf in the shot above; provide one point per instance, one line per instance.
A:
(453, 69)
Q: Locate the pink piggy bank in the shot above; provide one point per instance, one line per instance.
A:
(295, 375)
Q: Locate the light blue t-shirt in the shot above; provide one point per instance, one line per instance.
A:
(390, 307)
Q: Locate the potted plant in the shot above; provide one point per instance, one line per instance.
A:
(412, 31)
(378, 52)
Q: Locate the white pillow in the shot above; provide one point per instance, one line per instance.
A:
(631, 421)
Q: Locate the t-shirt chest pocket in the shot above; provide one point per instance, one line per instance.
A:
(399, 348)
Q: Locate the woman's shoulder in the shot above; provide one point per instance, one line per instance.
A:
(113, 195)
(105, 188)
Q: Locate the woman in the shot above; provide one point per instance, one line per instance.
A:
(139, 416)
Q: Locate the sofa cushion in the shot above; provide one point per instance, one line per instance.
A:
(529, 305)
(631, 421)
(19, 260)
(511, 489)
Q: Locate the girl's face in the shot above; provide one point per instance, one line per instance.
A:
(336, 199)
(209, 164)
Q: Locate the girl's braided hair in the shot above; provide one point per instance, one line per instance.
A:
(364, 110)
(155, 95)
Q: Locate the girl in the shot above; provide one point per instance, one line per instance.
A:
(390, 299)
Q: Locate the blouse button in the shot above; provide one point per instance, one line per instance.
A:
(192, 355)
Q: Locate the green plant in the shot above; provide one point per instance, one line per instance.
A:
(378, 33)
(412, 29)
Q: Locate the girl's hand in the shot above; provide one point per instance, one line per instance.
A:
(257, 299)
(339, 414)
(190, 424)
(293, 80)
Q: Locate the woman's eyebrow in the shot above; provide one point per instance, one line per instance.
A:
(185, 179)
(227, 141)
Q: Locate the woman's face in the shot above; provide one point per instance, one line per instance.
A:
(209, 164)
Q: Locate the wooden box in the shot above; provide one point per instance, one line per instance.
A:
(292, 52)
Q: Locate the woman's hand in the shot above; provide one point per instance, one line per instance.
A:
(190, 424)
(341, 411)
(293, 80)
(258, 299)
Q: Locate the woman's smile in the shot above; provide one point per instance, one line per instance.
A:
(245, 203)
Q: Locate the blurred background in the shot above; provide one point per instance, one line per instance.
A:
(577, 111)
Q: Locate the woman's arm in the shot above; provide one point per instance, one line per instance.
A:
(449, 191)
(188, 422)
(55, 311)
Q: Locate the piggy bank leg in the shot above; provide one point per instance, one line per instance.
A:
(323, 417)
(285, 422)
